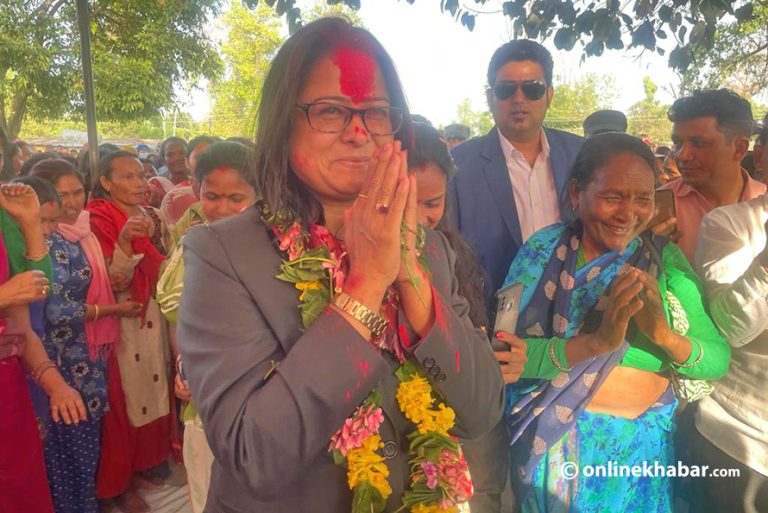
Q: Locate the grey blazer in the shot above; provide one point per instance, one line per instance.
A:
(271, 395)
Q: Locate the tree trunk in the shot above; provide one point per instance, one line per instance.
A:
(18, 109)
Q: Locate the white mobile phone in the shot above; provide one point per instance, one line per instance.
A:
(507, 309)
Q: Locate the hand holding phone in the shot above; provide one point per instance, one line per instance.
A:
(507, 309)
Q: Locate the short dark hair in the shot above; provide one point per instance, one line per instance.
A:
(521, 50)
(53, 169)
(599, 149)
(197, 141)
(168, 142)
(732, 112)
(35, 158)
(105, 170)
(43, 188)
(429, 147)
(224, 154)
(276, 182)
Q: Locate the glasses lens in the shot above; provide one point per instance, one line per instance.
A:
(328, 117)
(533, 90)
(504, 90)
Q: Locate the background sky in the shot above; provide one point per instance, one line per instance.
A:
(441, 62)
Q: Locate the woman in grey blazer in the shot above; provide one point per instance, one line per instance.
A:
(278, 366)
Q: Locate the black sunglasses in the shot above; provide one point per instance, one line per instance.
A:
(532, 89)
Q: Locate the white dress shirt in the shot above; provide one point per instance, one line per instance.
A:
(533, 187)
(735, 417)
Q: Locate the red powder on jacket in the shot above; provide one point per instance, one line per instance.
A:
(358, 72)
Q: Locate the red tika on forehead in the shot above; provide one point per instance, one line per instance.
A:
(358, 72)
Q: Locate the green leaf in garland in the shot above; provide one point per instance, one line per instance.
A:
(374, 398)
(407, 371)
(315, 302)
(367, 499)
(338, 458)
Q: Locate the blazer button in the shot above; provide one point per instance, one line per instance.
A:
(435, 370)
(389, 450)
(428, 362)
(440, 377)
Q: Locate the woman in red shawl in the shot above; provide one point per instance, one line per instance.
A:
(136, 432)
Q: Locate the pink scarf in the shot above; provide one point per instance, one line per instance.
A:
(102, 333)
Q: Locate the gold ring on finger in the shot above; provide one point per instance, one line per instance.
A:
(382, 207)
(44, 290)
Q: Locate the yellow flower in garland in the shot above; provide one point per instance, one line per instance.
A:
(364, 464)
(306, 286)
(414, 397)
(437, 421)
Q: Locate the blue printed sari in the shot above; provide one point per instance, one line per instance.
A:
(544, 417)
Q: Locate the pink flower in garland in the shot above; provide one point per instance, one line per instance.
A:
(454, 474)
(358, 427)
(292, 241)
(430, 472)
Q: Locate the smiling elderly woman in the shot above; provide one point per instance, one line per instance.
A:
(323, 337)
(609, 314)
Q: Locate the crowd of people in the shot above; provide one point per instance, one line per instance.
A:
(308, 320)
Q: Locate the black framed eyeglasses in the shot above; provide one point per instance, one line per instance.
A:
(532, 89)
(332, 118)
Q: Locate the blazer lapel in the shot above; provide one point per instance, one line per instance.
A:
(558, 163)
(497, 176)
(258, 276)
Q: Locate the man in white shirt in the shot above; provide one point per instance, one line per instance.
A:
(732, 424)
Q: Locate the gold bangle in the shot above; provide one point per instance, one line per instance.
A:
(96, 312)
(41, 368)
(34, 258)
(553, 357)
(693, 363)
(358, 311)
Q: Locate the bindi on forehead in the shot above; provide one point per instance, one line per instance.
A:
(358, 73)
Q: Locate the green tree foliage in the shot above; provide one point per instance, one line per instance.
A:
(321, 9)
(684, 25)
(478, 121)
(574, 101)
(253, 39)
(141, 49)
(738, 59)
(648, 117)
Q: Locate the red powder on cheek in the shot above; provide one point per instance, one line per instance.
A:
(299, 161)
(358, 71)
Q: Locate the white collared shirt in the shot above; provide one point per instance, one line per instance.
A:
(735, 417)
(533, 187)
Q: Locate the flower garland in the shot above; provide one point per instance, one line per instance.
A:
(317, 265)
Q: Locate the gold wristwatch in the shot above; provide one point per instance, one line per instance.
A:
(373, 321)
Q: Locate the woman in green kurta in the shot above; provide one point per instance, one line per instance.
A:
(222, 172)
(609, 314)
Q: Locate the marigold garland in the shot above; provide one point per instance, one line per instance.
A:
(316, 265)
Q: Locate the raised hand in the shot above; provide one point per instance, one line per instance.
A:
(135, 226)
(623, 302)
(372, 226)
(651, 319)
(20, 201)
